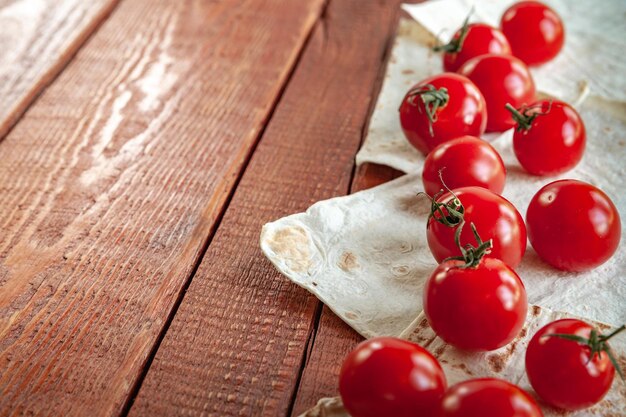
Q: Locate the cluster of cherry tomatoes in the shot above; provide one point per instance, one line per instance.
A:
(567, 364)
(474, 299)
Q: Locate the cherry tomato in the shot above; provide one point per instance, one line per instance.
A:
(441, 108)
(475, 308)
(386, 376)
(471, 41)
(488, 397)
(464, 161)
(502, 79)
(565, 373)
(534, 31)
(494, 217)
(549, 137)
(573, 225)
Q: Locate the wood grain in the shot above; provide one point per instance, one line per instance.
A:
(333, 339)
(236, 344)
(112, 182)
(370, 175)
(37, 39)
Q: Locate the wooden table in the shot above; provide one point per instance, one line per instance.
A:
(143, 144)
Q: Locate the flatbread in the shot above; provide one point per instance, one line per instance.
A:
(505, 363)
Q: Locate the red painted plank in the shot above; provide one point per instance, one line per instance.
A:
(236, 343)
(37, 39)
(113, 181)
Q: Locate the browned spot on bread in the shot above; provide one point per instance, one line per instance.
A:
(602, 326)
(496, 362)
(292, 245)
(424, 323)
(408, 71)
(522, 333)
(536, 310)
(439, 351)
(348, 261)
(464, 368)
(351, 315)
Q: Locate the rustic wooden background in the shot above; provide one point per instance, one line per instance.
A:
(143, 144)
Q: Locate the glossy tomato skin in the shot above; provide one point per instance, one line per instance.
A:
(488, 397)
(476, 308)
(387, 376)
(464, 161)
(464, 114)
(480, 39)
(502, 79)
(573, 225)
(534, 30)
(494, 217)
(559, 370)
(555, 142)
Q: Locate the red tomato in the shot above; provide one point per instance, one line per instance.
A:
(464, 161)
(471, 41)
(573, 225)
(441, 108)
(502, 79)
(475, 308)
(534, 31)
(386, 376)
(549, 138)
(488, 397)
(565, 373)
(494, 217)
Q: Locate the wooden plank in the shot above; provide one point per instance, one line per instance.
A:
(370, 175)
(333, 339)
(112, 182)
(320, 378)
(236, 344)
(37, 39)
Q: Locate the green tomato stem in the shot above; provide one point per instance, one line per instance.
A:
(471, 255)
(456, 45)
(597, 343)
(432, 100)
(525, 116)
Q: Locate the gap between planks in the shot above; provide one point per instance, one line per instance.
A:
(137, 386)
(311, 17)
(310, 342)
(359, 180)
(213, 364)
